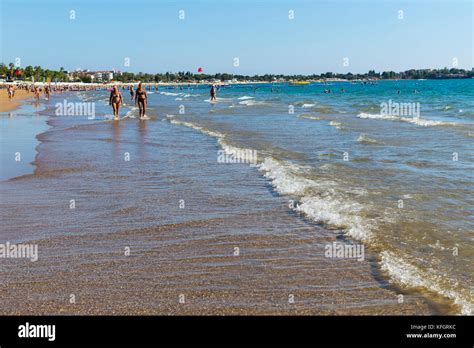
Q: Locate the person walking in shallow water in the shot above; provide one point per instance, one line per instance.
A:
(141, 98)
(213, 93)
(115, 100)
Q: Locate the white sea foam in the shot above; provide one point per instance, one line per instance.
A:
(310, 117)
(219, 99)
(252, 102)
(199, 128)
(239, 154)
(365, 139)
(245, 97)
(320, 200)
(339, 212)
(169, 93)
(132, 113)
(377, 116)
(415, 120)
(324, 201)
(307, 105)
(335, 124)
(409, 275)
(282, 179)
(427, 123)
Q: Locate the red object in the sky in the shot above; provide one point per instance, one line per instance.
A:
(200, 70)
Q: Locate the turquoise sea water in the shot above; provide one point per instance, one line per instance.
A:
(401, 184)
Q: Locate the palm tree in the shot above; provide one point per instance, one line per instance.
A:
(38, 73)
(11, 69)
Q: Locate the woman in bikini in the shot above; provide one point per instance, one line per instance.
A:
(141, 99)
(116, 100)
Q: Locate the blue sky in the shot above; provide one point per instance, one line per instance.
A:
(259, 33)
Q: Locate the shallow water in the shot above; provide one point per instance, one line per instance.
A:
(401, 183)
(355, 175)
(18, 141)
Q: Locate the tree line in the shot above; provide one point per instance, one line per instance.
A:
(37, 73)
(29, 73)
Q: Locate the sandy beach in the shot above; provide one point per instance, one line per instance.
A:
(7, 104)
(156, 221)
(181, 261)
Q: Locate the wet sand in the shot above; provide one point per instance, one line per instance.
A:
(176, 253)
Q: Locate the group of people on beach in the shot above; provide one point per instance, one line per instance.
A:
(141, 99)
(32, 88)
(140, 96)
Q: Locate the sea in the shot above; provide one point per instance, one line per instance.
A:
(234, 203)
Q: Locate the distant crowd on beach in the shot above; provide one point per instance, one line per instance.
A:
(36, 90)
(138, 95)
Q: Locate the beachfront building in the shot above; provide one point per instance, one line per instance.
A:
(93, 76)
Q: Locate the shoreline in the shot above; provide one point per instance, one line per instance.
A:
(94, 85)
(7, 104)
(19, 134)
(438, 302)
(200, 244)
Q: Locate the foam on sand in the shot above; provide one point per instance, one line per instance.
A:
(320, 200)
(403, 272)
(336, 205)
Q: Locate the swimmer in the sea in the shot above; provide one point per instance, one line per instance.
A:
(213, 93)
